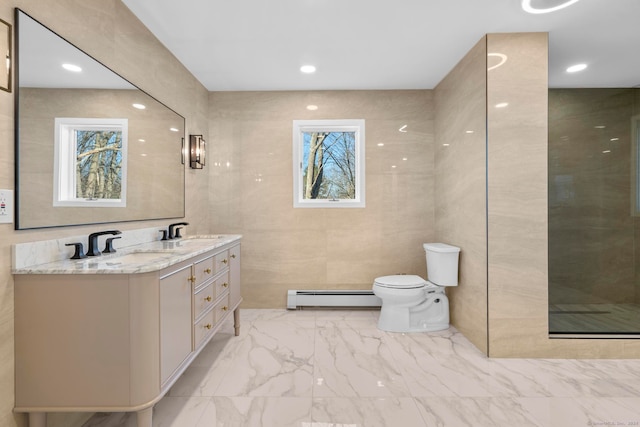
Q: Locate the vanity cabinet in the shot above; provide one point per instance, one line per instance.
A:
(117, 342)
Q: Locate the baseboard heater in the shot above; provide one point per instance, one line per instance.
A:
(331, 298)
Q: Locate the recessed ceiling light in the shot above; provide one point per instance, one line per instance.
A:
(502, 105)
(526, 5)
(405, 159)
(308, 69)
(468, 131)
(380, 144)
(312, 107)
(576, 68)
(445, 145)
(71, 67)
(403, 128)
(614, 139)
(606, 151)
(141, 140)
(173, 130)
(393, 166)
(139, 106)
(600, 127)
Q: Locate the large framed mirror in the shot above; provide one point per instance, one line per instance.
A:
(90, 146)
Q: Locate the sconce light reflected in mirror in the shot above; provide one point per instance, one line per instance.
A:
(197, 150)
(5, 56)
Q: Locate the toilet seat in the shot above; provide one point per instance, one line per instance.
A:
(403, 281)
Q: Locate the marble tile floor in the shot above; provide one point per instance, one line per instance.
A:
(328, 368)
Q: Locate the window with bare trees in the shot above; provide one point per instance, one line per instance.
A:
(328, 157)
(90, 162)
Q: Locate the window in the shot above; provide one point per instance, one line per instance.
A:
(90, 162)
(328, 163)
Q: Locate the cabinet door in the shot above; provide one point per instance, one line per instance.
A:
(175, 321)
(234, 276)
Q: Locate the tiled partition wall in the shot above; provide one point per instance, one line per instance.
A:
(460, 194)
(503, 307)
(110, 32)
(517, 193)
(517, 209)
(287, 248)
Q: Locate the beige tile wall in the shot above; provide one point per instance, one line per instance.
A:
(517, 192)
(285, 248)
(460, 188)
(108, 30)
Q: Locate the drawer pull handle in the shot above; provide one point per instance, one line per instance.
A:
(224, 261)
(225, 308)
(208, 299)
(192, 279)
(224, 285)
(208, 271)
(233, 256)
(208, 326)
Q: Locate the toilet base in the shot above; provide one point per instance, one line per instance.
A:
(412, 310)
(432, 327)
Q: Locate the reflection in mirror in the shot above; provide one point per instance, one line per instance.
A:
(90, 162)
(90, 147)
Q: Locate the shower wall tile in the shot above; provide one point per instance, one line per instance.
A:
(460, 194)
(590, 227)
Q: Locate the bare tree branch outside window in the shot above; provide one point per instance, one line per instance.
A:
(330, 163)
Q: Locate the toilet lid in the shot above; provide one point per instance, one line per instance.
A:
(405, 281)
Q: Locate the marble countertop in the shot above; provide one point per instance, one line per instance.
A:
(142, 258)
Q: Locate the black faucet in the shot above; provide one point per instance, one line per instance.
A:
(93, 241)
(172, 234)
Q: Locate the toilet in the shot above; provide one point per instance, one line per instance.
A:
(412, 304)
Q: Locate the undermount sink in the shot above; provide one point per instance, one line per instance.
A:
(136, 257)
(177, 244)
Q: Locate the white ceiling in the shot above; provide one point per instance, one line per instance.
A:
(383, 44)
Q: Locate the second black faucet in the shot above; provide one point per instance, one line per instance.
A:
(93, 241)
(173, 233)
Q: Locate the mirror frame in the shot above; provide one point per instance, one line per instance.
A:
(16, 61)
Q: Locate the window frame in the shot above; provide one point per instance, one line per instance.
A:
(300, 127)
(64, 176)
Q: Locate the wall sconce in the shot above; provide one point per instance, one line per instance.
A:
(197, 147)
(5, 56)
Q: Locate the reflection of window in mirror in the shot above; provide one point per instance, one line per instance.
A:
(328, 163)
(90, 162)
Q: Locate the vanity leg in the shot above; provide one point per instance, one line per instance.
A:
(144, 417)
(37, 419)
(236, 320)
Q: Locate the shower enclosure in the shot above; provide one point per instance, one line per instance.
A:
(594, 211)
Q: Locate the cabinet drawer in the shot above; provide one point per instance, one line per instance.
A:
(203, 299)
(221, 309)
(204, 270)
(221, 261)
(221, 285)
(204, 327)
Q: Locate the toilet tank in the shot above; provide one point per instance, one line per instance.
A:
(442, 263)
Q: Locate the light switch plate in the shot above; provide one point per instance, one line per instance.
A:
(6, 206)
